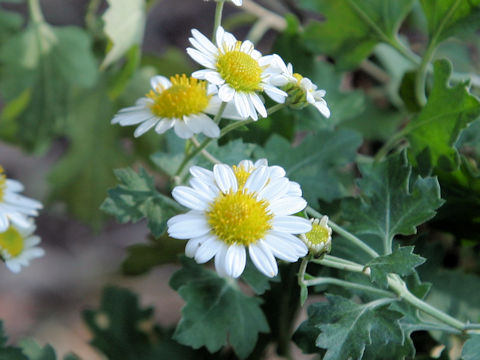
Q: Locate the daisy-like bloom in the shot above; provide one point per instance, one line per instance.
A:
(319, 239)
(240, 71)
(15, 208)
(301, 91)
(181, 102)
(18, 246)
(240, 207)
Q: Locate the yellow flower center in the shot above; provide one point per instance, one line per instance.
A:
(239, 70)
(239, 218)
(11, 241)
(186, 96)
(319, 235)
(298, 77)
(3, 183)
(242, 175)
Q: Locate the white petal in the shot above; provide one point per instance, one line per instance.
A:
(247, 46)
(21, 201)
(19, 220)
(202, 39)
(275, 189)
(219, 36)
(143, 128)
(201, 58)
(182, 130)
(214, 77)
(275, 94)
(208, 190)
(207, 250)
(225, 178)
(291, 224)
(220, 260)
(263, 258)
(229, 40)
(237, 2)
(133, 118)
(202, 123)
(164, 125)
(285, 246)
(160, 82)
(200, 74)
(261, 162)
(287, 205)
(190, 198)
(235, 260)
(187, 226)
(323, 108)
(14, 185)
(201, 173)
(13, 266)
(257, 179)
(279, 80)
(194, 244)
(242, 105)
(276, 171)
(3, 223)
(255, 99)
(246, 164)
(294, 189)
(226, 93)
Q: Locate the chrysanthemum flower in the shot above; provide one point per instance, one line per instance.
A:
(319, 239)
(18, 246)
(240, 71)
(15, 208)
(301, 91)
(181, 102)
(235, 208)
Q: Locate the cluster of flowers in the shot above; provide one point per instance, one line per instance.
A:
(235, 77)
(18, 245)
(251, 205)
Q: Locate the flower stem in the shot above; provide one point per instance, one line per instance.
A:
(350, 285)
(35, 11)
(344, 233)
(332, 261)
(421, 77)
(218, 115)
(205, 152)
(218, 18)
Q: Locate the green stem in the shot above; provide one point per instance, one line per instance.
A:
(303, 269)
(218, 18)
(332, 261)
(35, 11)
(219, 114)
(397, 285)
(383, 151)
(344, 233)
(206, 154)
(350, 285)
(421, 77)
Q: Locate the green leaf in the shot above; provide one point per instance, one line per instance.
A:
(216, 311)
(10, 22)
(402, 261)
(471, 349)
(353, 28)
(136, 198)
(9, 352)
(141, 258)
(45, 61)
(256, 280)
(433, 133)
(116, 325)
(391, 203)
(447, 18)
(35, 352)
(84, 174)
(124, 25)
(347, 328)
(316, 163)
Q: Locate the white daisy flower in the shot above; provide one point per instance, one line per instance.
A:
(293, 82)
(240, 71)
(235, 208)
(319, 239)
(15, 208)
(18, 246)
(181, 102)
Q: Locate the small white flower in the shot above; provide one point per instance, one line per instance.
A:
(319, 239)
(181, 102)
(18, 246)
(287, 77)
(240, 71)
(15, 208)
(235, 208)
